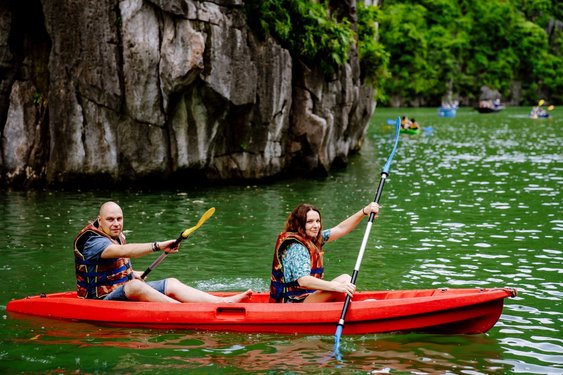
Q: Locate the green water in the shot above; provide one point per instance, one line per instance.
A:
(475, 201)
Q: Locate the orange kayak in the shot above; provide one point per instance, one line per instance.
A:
(459, 311)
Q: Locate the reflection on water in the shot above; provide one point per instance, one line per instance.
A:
(474, 202)
(254, 353)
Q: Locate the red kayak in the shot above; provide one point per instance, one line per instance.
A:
(460, 311)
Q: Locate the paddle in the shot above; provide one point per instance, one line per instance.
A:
(384, 175)
(184, 235)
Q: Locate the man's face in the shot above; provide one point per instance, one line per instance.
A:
(111, 220)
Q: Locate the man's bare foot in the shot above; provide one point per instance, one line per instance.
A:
(238, 297)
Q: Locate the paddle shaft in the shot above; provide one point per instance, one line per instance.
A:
(160, 258)
(384, 174)
(362, 248)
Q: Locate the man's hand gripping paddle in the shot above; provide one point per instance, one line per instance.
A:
(384, 175)
(184, 235)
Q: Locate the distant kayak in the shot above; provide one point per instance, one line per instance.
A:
(539, 112)
(444, 310)
(410, 131)
(447, 112)
(540, 116)
(490, 109)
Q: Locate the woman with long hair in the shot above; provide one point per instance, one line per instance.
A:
(297, 268)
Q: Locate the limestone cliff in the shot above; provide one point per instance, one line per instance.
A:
(148, 90)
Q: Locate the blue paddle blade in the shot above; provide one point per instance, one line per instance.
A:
(390, 122)
(337, 335)
(387, 165)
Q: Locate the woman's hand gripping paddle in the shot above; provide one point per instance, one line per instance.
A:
(384, 175)
(184, 235)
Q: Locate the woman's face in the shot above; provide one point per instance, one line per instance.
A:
(313, 224)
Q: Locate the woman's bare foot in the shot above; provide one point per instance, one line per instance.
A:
(238, 297)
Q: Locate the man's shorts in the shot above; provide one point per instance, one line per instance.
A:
(119, 293)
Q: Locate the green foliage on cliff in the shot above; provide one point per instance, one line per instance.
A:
(317, 37)
(304, 28)
(441, 46)
(426, 50)
(373, 55)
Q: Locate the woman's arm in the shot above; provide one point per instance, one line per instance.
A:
(352, 222)
(311, 282)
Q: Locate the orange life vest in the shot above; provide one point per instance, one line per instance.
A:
(282, 291)
(98, 278)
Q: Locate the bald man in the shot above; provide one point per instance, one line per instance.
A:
(104, 271)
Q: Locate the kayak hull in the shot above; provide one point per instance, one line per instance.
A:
(447, 112)
(410, 131)
(489, 109)
(458, 311)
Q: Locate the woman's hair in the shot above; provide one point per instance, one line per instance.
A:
(298, 218)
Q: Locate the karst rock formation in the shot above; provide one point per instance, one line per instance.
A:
(109, 91)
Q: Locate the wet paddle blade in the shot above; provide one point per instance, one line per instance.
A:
(185, 234)
(203, 219)
(337, 336)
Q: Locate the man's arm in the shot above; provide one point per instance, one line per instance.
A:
(137, 250)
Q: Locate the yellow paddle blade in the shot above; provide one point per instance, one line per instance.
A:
(202, 220)
(540, 103)
(550, 108)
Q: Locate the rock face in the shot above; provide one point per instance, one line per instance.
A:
(143, 91)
